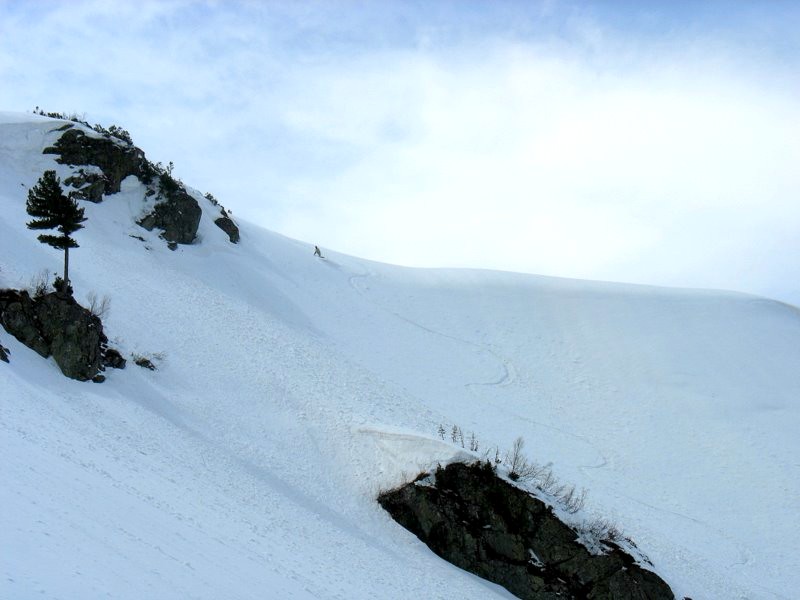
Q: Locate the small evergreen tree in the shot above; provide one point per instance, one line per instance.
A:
(51, 209)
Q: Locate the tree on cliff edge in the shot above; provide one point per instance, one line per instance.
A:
(51, 209)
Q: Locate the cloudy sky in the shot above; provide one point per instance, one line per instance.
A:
(649, 142)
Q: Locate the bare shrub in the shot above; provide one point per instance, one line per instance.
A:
(457, 437)
(519, 468)
(39, 284)
(600, 530)
(523, 470)
(99, 307)
(547, 481)
(571, 499)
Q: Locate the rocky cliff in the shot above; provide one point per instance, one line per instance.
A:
(115, 158)
(102, 162)
(56, 325)
(474, 519)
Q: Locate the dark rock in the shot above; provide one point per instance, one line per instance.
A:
(624, 584)
(75, 335)
(55, 325)
(113, 359)
(178, 216)
(116, 159)
(19, 317)
(176, 212)
(487, 526)
(4, 353)
(228, 226)
(144, 362)
(89, 186)
(98, 379)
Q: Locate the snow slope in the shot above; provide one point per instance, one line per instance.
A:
(290, 390)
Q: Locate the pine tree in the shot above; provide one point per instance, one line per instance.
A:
(51, 209)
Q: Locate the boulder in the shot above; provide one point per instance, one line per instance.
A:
(74, 333)
(56, 325)
(144, 362)
(228, 226)
(113, 359)
(177, 215)
(474, 519)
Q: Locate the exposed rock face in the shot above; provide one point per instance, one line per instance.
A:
(4, 353)
(484, 525)
(56, 325)
(88, 186)
(112, 358)
(177, 213)
(178, 216)
(228, 226)
(19, 317)
(116, 160)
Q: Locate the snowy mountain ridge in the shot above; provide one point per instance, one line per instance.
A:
(291, 390)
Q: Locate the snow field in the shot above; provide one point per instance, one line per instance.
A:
(293, 389)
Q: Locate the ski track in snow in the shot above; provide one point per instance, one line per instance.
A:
(508, 375)
(746, 556)
(507, 378)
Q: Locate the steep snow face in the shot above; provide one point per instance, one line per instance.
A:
(290, 390)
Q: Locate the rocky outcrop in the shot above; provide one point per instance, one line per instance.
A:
(178, 216)
(56, 325)
(19, 317)
(87, 186)
(228, 226)
(112, 358)
(116, 159)
(4, 353)
(469, 516)
(176, 212)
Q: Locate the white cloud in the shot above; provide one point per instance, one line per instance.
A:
(522, 160)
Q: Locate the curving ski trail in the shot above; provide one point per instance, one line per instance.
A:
(508, 373)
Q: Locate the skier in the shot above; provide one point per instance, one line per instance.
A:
(317, 252)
